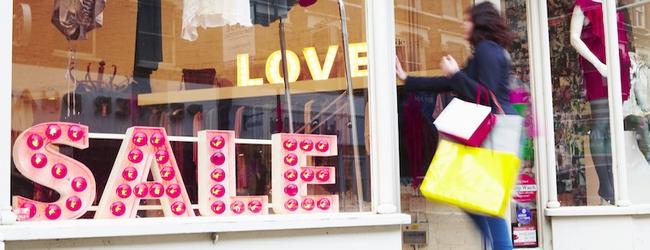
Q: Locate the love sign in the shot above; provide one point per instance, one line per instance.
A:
(145, 151)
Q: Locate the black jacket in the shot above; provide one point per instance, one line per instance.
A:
(489, 66)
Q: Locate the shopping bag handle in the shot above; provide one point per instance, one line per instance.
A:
(490, 95)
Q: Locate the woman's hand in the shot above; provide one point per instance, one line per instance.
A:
(449, 66)
(401, 74)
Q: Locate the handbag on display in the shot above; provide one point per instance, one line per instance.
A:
(477, 179)
(466, 122)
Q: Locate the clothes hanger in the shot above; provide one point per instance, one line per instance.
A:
(71, 81)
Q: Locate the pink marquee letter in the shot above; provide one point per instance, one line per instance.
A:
(144, 149)
(39, 162)
(291, 174)
(217, 178)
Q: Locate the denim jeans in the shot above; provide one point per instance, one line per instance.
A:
(495, 232)
(600, 144)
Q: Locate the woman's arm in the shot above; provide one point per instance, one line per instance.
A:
(412, 83)
(434, 84)
(491, 66)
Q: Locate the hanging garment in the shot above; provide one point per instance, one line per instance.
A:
(640, 73)
(593, 36)
(631, 105)
(75, 18)
(265, 12)
(414, 135)
(48, 107)
(197, 125)
(211, 14)
(148, 40)
(22, 116)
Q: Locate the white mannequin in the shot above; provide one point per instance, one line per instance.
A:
(578, 20)
(602, 164)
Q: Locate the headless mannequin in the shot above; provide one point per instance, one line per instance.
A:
(599, 137)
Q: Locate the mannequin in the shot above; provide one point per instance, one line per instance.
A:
(635, 108)
(588, 38)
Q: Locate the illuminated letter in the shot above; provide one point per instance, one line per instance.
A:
(217, 178)
(313, 62)
(243, 72)
(39, 162)
(291, 175)
(143, 150)
(357, 60)
(273, 67)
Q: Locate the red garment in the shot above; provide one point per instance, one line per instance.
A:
(593, 36)
(197, 125)
(414, 139)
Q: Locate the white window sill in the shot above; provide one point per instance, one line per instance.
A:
(598, 211)
(86, 228)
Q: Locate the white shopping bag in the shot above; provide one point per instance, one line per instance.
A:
(468, 123)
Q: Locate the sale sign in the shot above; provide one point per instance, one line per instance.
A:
(525, 190)
(37, 159)
(292, 175)
(146, 151)
(217, 180)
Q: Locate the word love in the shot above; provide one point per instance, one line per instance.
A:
(145, 151)
(358, 65)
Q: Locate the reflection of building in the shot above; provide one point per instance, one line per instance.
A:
(420, 42)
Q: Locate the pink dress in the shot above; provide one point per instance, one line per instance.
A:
(593, 36)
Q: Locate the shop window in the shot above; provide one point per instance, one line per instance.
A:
(140, 64)
(583, 135)
(636, 109)
(425, 31)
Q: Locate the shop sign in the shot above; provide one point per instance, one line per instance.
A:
(273, 68)
(524, 216)
(525, 190)
(147, 150)
(524, 236)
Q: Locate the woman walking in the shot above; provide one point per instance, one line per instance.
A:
(488, 67)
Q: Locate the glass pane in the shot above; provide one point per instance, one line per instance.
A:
(580, 103)
(420, 49)
(633, 29)
(143, 66)
(524, 206)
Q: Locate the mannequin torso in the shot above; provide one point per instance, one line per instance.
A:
(587, 36)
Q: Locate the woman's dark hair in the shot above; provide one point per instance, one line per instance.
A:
(488, 24)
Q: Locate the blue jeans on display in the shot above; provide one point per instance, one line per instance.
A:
(600, 144)
(495, 231)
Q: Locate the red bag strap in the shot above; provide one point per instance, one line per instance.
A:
(490, 95)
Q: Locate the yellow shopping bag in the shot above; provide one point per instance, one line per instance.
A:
(475, 179)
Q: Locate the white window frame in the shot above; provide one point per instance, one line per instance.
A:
(384, 157)
(544, 109)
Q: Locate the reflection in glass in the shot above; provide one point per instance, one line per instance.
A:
(636, 109)
(137, 70)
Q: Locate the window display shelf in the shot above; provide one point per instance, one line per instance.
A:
(197, 95)
(76, 229)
